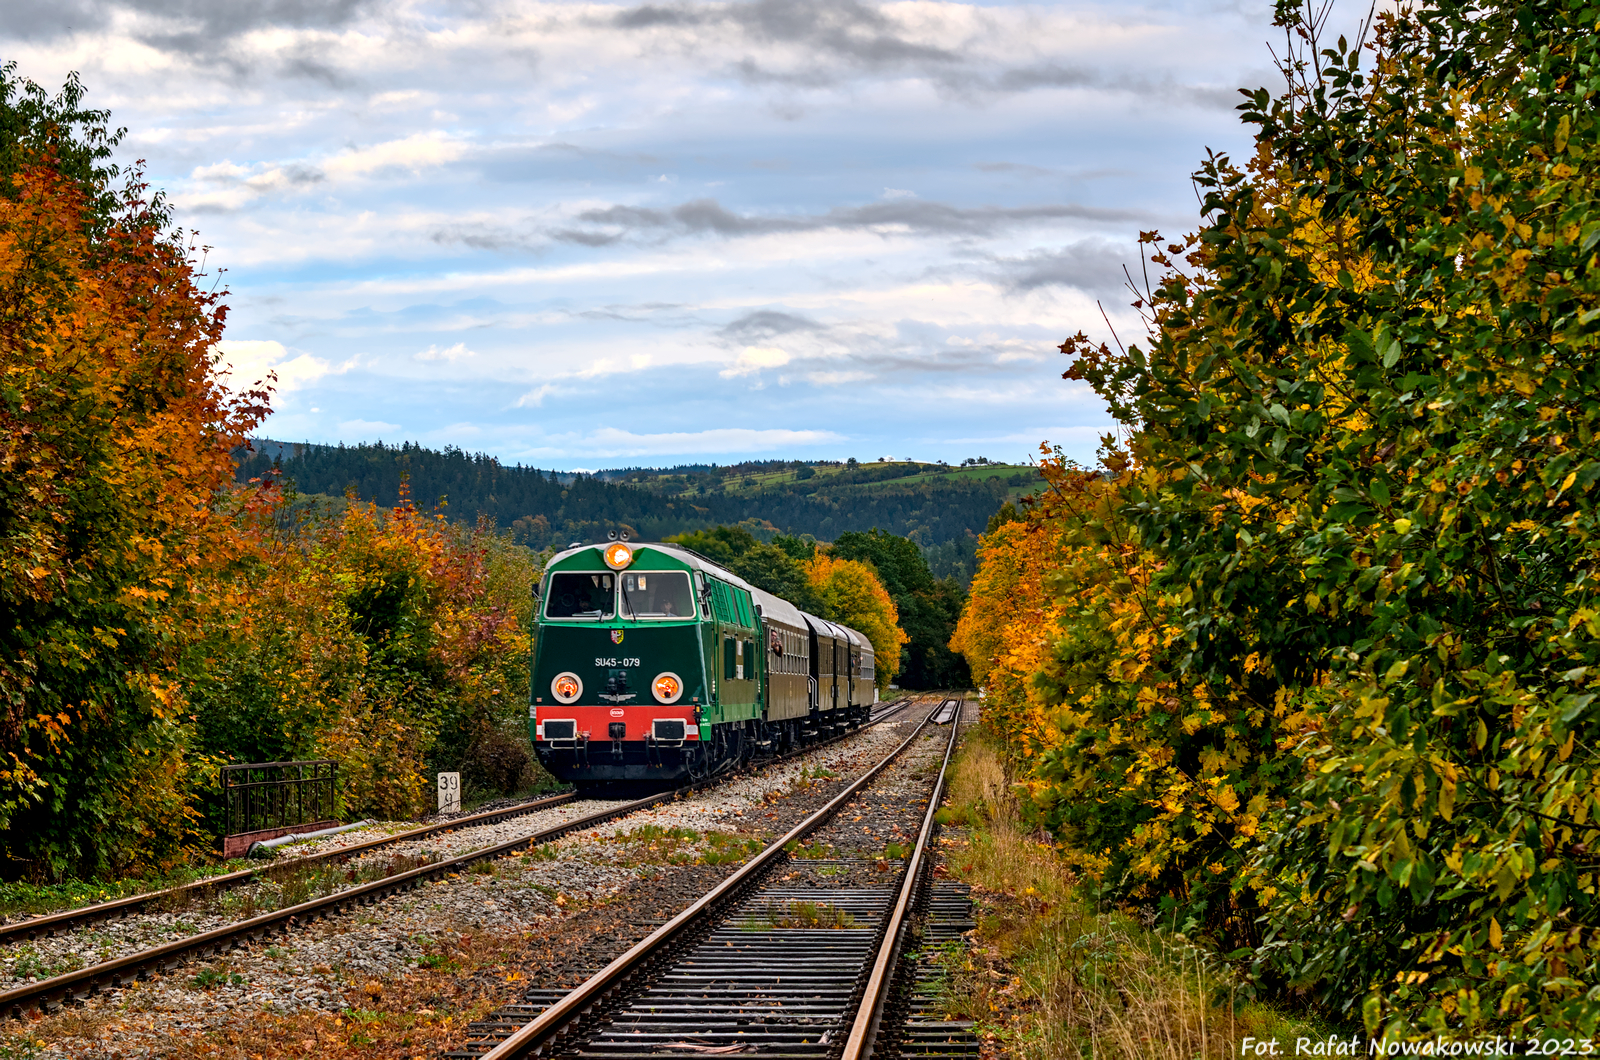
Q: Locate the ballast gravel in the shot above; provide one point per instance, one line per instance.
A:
(22, 962)
(644, 861)
(859, 847)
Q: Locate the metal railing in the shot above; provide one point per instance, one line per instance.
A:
(263, 795)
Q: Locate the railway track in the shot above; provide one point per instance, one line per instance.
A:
(757, 964)
(72, 919)
(51, 993)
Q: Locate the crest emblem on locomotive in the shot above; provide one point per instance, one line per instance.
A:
(616, 636)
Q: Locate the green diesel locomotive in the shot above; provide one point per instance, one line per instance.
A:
(654, 663)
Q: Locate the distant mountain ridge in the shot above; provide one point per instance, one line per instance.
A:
(931, 504)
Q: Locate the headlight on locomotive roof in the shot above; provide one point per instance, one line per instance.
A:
(667, 687)
(567, 687)
(618, 555)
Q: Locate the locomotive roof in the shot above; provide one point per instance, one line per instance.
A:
(687, 556)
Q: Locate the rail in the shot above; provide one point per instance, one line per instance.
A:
(86, 981)
(869, 1017)
(562, 1017)
(71, 919)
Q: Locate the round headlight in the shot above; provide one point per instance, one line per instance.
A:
(618, 555)
(667, 687)
(567, 687)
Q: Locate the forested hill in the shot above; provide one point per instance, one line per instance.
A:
(931, 504)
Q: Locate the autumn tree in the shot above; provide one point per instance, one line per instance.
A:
(392, 641)
(115, 435)
(1361, 466)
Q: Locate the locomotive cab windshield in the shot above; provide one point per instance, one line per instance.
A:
(581, 595)
(657, 594)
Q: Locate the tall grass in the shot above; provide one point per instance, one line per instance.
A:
(1052, 975)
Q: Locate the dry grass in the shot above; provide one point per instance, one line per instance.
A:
(1050, 977)
(800, 915)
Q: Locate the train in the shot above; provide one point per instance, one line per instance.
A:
(653, 663)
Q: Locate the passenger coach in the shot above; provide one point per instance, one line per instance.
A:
(653, 663)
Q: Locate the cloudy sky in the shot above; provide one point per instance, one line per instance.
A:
(603, 235)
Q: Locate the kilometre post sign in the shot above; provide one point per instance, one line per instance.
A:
(449, 792)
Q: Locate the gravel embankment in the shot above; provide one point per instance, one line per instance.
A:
(283, 883)
(602, 888)
(855, 849)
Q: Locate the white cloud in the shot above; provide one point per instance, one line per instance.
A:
(414, 152)
(536, 396)
(837, 378)
(375, 175)
(362, 430)
(1014, 350)
(452, 353)
(615, 442)
(226, 185)
(244, 362)
(753, 359)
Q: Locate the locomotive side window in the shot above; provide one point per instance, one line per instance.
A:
(728, 659)
(657, 594)
(581, 595)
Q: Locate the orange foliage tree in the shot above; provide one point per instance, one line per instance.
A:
(852, 594)
(1006, 627)
(155, 620)
(114, 444)
(392, 642)
(1152, 783)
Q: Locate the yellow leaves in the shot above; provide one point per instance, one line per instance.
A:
(1496, 938)
(1447, 794)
